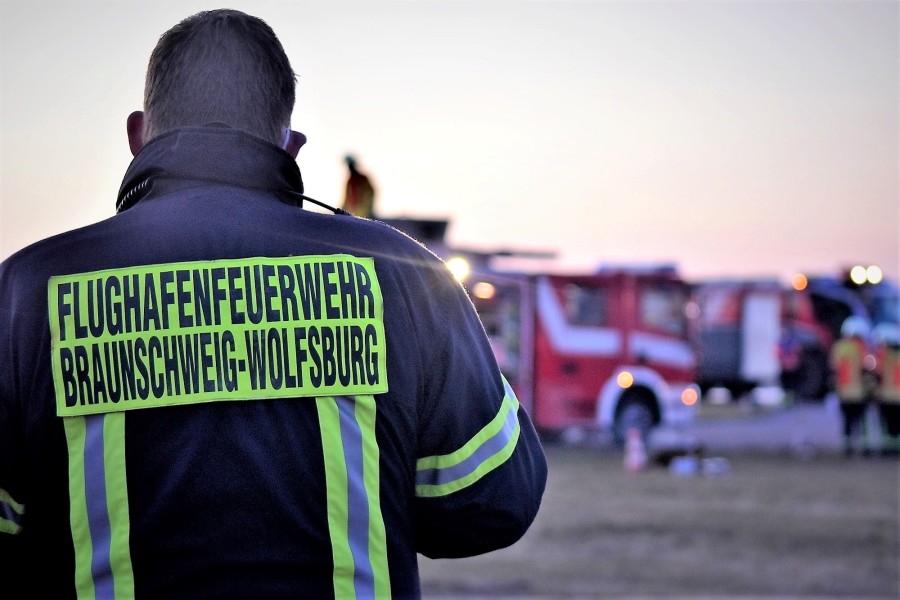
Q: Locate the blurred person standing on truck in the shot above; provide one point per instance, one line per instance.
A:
(217, 394)
(887, 395)
(359, 193)
(852, 376)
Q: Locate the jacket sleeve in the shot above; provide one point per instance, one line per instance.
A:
(480, 471)
(12, 508)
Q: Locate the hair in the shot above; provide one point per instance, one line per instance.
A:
(219, 66)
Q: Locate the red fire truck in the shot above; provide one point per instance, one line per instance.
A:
(608, 350)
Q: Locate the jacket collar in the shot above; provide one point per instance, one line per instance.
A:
(209, 153)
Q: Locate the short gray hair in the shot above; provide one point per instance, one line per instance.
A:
(219, 66)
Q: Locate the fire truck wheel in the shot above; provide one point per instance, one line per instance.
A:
(633, 414)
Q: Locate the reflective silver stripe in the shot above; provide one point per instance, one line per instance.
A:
(97, 506)
(441, 476)
(357, 499)
(444, 474)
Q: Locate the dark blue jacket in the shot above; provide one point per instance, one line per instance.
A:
(218, 394)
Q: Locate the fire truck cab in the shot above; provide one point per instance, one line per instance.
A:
(608, 350)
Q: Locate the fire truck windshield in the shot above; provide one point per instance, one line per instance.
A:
(662, 309)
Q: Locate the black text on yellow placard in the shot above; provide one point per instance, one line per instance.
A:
(204, 331)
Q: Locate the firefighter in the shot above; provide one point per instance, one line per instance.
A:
(359, 193)
(886, 337)
(852, 381)
(215, 393)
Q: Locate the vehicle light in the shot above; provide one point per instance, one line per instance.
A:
(625, 379)
(459, 267)
(858, 274)
(483, 290)
(874, 274)
(689, 397)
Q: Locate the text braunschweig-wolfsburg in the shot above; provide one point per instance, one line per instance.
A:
(216, 330)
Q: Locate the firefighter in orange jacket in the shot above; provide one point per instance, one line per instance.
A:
(850, 356)
(359, 193)
(887, 394)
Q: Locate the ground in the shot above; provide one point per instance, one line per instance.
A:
(778, 520)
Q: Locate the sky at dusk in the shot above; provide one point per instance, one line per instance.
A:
(732, 139)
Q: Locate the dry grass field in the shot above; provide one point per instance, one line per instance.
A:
(773, 526)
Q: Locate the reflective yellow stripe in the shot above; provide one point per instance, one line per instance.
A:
(11, 513)
(78, 512)
(117, 504)
(365, 415)
(336, 490)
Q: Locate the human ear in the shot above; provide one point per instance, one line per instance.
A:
(295, 141)
(135, 127)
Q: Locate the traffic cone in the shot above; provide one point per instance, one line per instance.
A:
(635, 453)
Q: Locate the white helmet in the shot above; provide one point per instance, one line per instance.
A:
(855, 326)
(887, 334)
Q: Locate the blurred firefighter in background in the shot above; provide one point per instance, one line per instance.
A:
(359, 194)
(790, 349)
(852, 367)
(887, 395)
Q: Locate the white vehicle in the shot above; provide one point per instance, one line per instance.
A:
(737, 335)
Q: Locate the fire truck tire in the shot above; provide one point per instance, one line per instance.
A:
(812, 379)
(633, 414)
